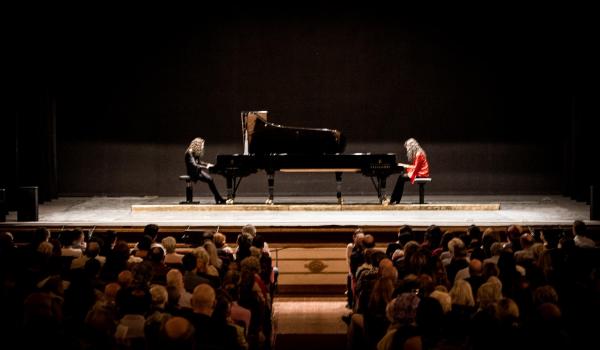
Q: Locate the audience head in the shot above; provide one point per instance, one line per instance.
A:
(45, 249)
(203, 299)
(402, 310)
(189, 262)
(178, 333)
(151, 230)
(170, 244)
(125, 278)
(92, 250)
(369, 241)
(462, 294)
(145, 243)
(405, 231)
(455, 245)
(175, 278)
(249, 230)
(159, 296)
(579, 228)
(545, 294)
(250, 264)
(490, 270)
(551, 237)
(142, 273)
(475, 233)
(496, 248)
(40, 235)
(475, 267)
(489, 293)
(548, 313)
(387, 269)
(111, 290)
(434, 236)
(258, 242)
(202, 257)
(156, 255)
(507, 310)
(526, 240)
(514, 232)
(358, 231)
(443, 298)
(219, 240)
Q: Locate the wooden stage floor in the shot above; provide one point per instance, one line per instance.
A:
(311, 211)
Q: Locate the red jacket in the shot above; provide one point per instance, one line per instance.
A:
(421, 167)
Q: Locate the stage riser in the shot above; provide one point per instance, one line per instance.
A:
(285, 236)
(309, 207)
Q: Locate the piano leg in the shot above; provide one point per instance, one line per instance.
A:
(383, 198)
(230, 195)
(338, 182)
(271, 183)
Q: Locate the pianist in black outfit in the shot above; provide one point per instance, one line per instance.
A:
(198, 169)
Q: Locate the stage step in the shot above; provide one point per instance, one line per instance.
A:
(139, 208)
(311, 322)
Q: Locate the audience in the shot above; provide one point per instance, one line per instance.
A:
(459, 290)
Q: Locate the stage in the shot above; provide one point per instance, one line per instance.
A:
(307, 235)
(448, 211)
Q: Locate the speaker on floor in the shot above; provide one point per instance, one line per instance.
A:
(595, 202)
(27, 204)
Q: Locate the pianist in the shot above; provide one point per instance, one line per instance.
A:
(198, 169)
(419, 168)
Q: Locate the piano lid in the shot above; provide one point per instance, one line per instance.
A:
(263, 137)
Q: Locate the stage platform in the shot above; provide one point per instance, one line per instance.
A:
(307, 235)
(311, 211)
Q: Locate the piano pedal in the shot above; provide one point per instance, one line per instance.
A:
(269, 201)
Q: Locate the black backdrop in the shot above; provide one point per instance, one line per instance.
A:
(499, 100)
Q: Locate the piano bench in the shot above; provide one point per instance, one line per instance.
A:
(421, 181)
(189, 190)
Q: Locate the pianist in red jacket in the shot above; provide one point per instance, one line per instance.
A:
(198, 169)
(418, 168)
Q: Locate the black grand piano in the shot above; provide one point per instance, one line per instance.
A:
(272, 147)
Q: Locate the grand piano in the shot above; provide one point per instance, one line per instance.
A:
(272, 147)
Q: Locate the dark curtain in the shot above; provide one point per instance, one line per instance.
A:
(29, 144)
(581, 150)
(36, 143)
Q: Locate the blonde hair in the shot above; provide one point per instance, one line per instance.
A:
(201, 254)
(159, 295)
(462, 293)
(196, 147)
(444, 299)
(170, 244)
(490, 292)
(507, 309)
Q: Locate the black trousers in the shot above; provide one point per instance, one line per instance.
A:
(399, 188)
(206, 178)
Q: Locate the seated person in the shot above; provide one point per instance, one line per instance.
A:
(198, 170)
(418, 168)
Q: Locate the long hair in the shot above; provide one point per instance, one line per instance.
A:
(196, 147)
(412, 148)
